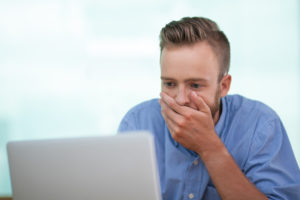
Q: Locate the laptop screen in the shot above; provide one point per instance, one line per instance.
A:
(110, 167)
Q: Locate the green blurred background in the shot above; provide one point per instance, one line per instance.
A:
(73, 68)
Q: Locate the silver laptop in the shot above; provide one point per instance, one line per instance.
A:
(109, 167)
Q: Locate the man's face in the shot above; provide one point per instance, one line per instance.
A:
(191, 68)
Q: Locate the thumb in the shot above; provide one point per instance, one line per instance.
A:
(199, 102)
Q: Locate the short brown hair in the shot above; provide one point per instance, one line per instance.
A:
(190, 30)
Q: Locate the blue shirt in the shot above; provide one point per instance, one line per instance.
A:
(252, 133)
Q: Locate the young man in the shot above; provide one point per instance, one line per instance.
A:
(211, 145)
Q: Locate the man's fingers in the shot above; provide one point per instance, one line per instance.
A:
(199, 102)
(169, 112)
(170, 116)
(170, 123)
(171, 103)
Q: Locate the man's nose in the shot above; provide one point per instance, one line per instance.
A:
(182, 97)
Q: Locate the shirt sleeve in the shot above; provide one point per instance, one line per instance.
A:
(271, 164)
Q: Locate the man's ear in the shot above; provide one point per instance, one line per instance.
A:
(225, 85)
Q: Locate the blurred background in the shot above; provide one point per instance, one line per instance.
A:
(74, 68)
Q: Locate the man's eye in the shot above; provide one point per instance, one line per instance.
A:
(195, 85)
(169, 84)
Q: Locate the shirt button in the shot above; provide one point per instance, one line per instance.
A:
(191, 196)
(196, 162)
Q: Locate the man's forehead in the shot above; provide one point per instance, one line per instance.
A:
(170, 47)
(196, 61)
(198, 51)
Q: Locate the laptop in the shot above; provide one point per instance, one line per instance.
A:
(93, 168)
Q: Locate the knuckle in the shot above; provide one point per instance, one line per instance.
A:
(177, 131)
(172, 104)
(188, 116)
(181, 123)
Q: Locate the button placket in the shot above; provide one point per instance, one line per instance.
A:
(191, 196)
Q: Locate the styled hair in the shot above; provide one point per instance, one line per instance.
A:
(190, 30)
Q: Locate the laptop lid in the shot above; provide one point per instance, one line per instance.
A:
(110, 167)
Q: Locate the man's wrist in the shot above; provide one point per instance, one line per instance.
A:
(212, 149)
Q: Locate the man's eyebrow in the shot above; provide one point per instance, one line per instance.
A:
(166, 78)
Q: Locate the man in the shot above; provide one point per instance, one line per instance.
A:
(211, 145)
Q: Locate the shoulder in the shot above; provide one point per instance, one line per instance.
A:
(143, 116)
(249, 124)
(261, 147)
(253, 110)
(146, 108)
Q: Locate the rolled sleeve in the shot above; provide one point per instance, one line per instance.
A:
(271, 164)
